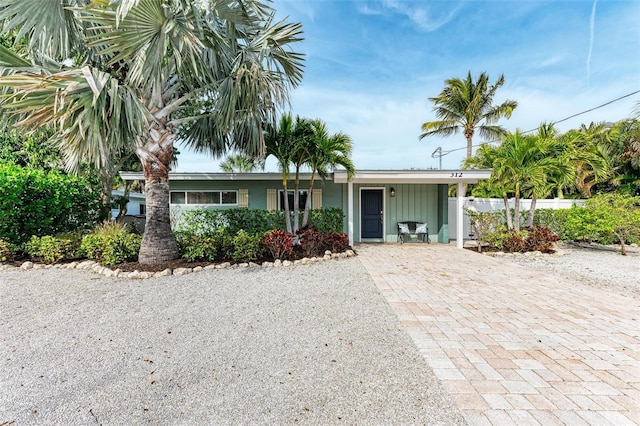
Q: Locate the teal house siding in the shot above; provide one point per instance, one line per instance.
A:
(418, 195)
(412, 202)
(332, 193)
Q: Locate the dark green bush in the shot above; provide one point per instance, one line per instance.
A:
(327, 220)
(253, 221)
(37, 202)
(52, 249)
(111, 243)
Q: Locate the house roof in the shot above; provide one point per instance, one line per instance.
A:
(340, 176)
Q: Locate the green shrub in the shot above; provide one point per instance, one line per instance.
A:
(254, 221)
(38, 202)
(247, 247)
(495, 237)
(327, 220)
(111, 243)
(52, 249)
(5, 250)
(197, 247)
(615, 218)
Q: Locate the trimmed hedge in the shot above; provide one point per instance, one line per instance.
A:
(38, 202)
(254, 221)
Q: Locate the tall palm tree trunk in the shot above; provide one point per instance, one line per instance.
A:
(532, 211)
(507, 210)
(158, 242)
(287, 208)
(307, 204)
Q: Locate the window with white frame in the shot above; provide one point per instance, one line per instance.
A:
(208, 198)
(302, 199)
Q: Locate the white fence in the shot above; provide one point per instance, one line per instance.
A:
(494, 204)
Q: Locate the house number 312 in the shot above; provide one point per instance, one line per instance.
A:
(457, 174)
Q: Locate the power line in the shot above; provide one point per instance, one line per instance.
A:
(442, 153)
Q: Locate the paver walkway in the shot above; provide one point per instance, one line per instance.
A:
(514, 345)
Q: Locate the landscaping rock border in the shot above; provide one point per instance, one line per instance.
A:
(97, 268)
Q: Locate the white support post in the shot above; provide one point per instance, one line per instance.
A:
(350, 211)
(460, 216)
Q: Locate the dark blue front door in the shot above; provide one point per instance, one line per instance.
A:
(371, 213)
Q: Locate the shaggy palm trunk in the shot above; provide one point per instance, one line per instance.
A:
(158, 242)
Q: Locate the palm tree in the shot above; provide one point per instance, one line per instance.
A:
(282, 142)
(144, 72)
(519, 165)
(467, 106)
(325, 153)
(593, 160)
(240, 163)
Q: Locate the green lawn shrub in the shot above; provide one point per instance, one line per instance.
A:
(6, 251)
(247, 247)
(53, 249)
(38, 202)
(210, 246)
(111, 243)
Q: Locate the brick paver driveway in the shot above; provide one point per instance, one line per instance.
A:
(514, 345)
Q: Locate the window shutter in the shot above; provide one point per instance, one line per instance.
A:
(316, 199)
(272, 200)
(243, 198)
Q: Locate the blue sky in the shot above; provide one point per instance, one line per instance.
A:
(372, 65)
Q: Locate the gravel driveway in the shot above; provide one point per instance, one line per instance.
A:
(314, 344)
(600, 266)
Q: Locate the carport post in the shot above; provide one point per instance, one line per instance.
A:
(459, 216)
(350, 211)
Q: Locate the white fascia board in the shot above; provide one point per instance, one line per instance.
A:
(415, 176)
(217, 176)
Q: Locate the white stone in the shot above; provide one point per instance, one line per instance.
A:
(253, 265)
(267, 264)
(208, 267)
(327, 252)
(243, 265)
(287, 263)
(350, 253)
(165, 273)
(326, 257)
(145, 274)
(27, 265)
(198, 269)
(181, 271)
